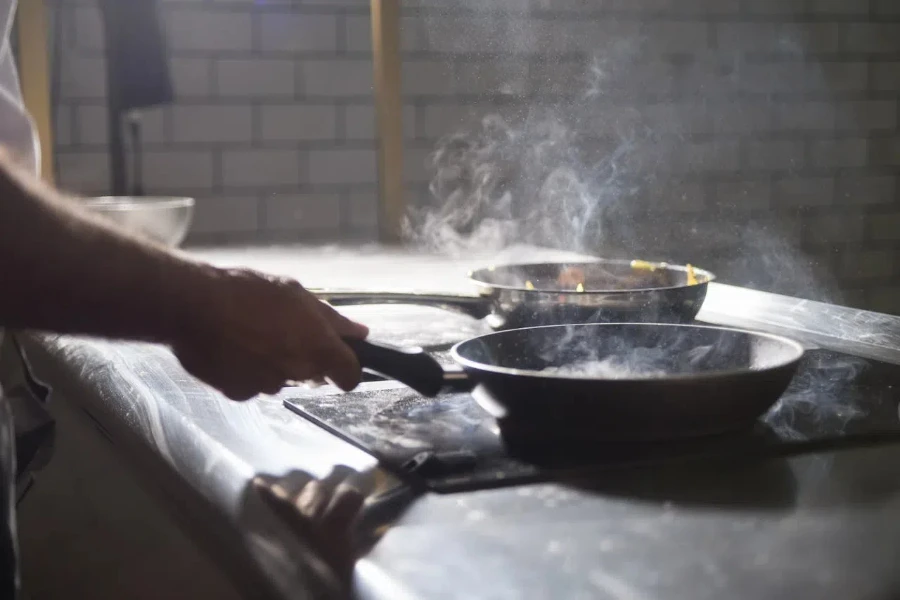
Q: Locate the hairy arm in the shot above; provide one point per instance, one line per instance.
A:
(64, 270)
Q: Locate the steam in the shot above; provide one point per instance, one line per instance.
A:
(514, 179)
(823, 398)
(612, 137)
(637, 149)
(635, 363)
(646, 352)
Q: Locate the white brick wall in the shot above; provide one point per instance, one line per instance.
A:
(286, 32)
(775, 154)
(205, 123)
(82, 77)
(332, 167)
(178, 171)
(316, 212)
(742, 115)
(848, 153)
(292, 122)
(359, 122)
(875, 38)
(91, 124)
(83, 172)
(257, 78)
(825, 229)
(231, 214)
(191, 76)
(886, 77)
(155, 124)
(358, 33)
(336, 77)
(209, 29)
(257, 167)
(362, 211)
(866, 189)
(63, 126)
(744, 195)
(88, 27)
(805, 191)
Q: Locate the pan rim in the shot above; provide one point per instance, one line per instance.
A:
(475, 274)
(799, 352)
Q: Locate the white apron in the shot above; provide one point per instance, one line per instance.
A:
(18, 136)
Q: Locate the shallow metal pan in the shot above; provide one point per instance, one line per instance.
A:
(527, 295)
(644, 382)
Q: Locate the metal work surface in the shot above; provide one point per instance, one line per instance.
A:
(448, 443)
(858, 332)
(822, 526)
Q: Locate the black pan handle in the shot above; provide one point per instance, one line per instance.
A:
(411, 366)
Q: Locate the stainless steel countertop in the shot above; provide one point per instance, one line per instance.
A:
(817, 526)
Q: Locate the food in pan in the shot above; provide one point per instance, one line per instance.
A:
(571, 277)
(646, 275)
(642, 275)
(643, 265)
(691, 276)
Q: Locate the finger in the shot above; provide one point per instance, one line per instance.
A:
(286, 487)
(329, 358)
(343, 326)
(241, 387)
(238, 380)
(223, 381)
(238, 392)
(343, 368)
(277, 501)
(325, 486)
(312, 382)
(313, 500)
(299, 370)
(365, 481)
(344, 508)
(272, 388)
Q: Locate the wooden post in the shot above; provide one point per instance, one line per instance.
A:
(34, 73)
(389, 116)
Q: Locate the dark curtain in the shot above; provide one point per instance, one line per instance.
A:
(137, 73)
(136, 50)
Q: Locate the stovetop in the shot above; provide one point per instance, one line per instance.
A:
(450, 444)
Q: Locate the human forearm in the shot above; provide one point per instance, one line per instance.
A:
(64, 270)
(243, 332)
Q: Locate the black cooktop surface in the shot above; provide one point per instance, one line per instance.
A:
(449, 443)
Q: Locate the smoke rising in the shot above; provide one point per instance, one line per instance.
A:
(645, 352)
(520, 178)
(822, 398)
(618, 138)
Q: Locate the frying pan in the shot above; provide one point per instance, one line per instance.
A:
(527, 295)
(626, 382)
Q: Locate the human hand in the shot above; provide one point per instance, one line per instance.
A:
(322, 512)
(250, 333)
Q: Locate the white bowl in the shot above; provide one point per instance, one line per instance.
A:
(161, 218)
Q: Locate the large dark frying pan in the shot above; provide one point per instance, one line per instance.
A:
(528, 295)
(640, 382)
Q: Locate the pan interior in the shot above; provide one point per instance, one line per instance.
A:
(625, 351)
(601, 276)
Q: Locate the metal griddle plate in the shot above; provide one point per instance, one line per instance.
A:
(449, 444)
(424, 326)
